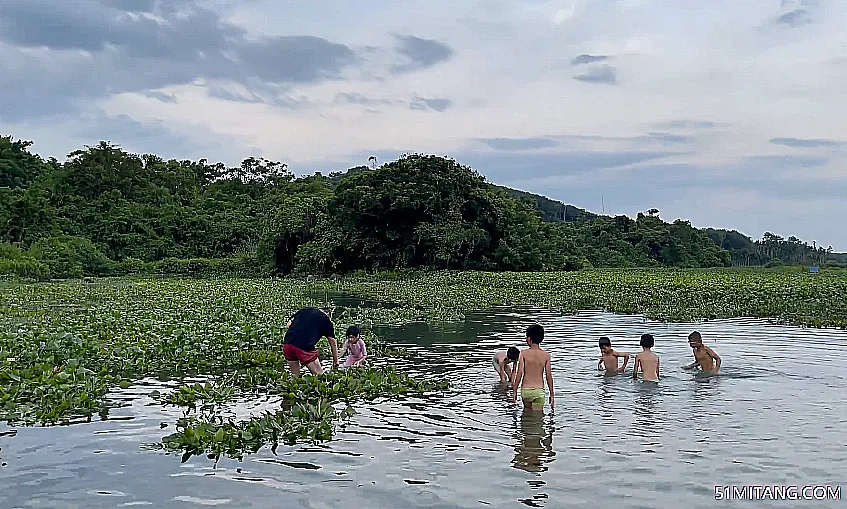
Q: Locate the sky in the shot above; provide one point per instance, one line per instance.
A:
(727, 113)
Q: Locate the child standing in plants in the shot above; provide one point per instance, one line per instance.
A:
(647, 360)
(609, 357)
(502, 360)
(354, 346)
(533, 365)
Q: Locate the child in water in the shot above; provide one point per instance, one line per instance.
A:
(354, 345)
(647, 360)
(705, 357)
(609, 357)
(533, 365)
(501, 361)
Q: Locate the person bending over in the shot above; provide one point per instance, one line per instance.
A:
(299, 347)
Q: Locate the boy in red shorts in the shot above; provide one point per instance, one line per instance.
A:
(305, 329)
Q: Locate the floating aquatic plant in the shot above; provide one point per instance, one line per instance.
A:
(307, 412)
(65, 346)
(313, 421)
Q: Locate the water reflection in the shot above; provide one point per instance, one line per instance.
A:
(534, 450)
(645, 423)
(501, 392)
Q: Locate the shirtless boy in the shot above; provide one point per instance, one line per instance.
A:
(502, 360)
(705, 357)
(533, 366)
(647, 360)
(610, 357)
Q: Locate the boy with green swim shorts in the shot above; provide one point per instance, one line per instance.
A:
(533, 368)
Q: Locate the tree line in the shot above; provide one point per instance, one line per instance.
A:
(105, 211)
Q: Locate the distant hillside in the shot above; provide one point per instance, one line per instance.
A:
(105, 211)
(552, 211)
(773, 249)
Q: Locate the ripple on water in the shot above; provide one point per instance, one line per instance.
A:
(772, 416)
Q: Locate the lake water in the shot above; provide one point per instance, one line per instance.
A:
(775, 416)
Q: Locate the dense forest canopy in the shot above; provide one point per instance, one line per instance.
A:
(105, 211)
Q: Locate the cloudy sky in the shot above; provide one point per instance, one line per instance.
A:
(730, 113)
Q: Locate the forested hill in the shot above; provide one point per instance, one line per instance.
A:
(104, 211)
(552, 211)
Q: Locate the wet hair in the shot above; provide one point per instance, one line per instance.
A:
(695, 337)
(604, 341)
(647, 341)
(513, 353)
(535, 333)
(353, 331)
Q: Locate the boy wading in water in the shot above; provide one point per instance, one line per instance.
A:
(647, 360)
(305, 328)
(533, 365)
(610, 357)
(501, 361)
(705, 357)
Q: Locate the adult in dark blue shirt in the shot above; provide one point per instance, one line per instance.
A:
(299, 347)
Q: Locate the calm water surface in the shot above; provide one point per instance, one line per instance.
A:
(775, 416)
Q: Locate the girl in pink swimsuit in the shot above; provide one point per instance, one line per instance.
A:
(355, 347)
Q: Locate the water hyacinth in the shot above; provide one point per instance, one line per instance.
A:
(307, 412)
(65, 346)
(216, 437)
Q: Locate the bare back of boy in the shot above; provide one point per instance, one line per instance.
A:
(533, 365)
(610, 361)
(704, 360)
(649, 363)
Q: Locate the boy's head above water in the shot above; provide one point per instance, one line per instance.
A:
(513, 353)
(695, 340)
(534, 334)
(647, 341)
(605, 344)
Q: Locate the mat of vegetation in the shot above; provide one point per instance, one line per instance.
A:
(64, 346)
(789, 296)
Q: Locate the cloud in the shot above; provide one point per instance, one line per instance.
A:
(795, 18)
(690, 124)
(359, 99)
(806, 143)
(66, 53)
(665, 138)
(130, 5)
(508, 144)
(59, 136)
(564, 15)
(160, 96)
(606, 75)
(420, 53)
(219, 92)
(437, 104)
(504, 167)
(588, 59)
(781, 162)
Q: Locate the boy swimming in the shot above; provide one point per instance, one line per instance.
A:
(647, 360)
(609, 357)
(705, 357)
(501, 361)
(533, 365)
